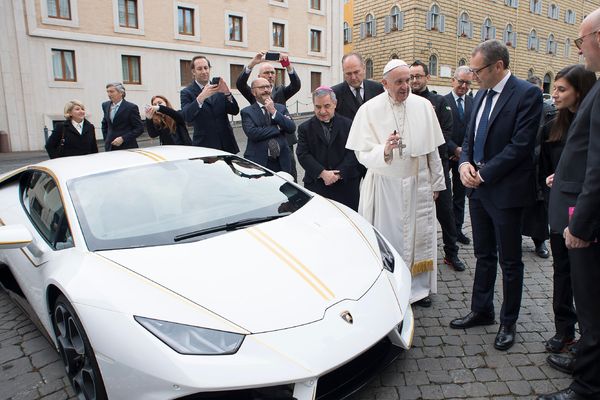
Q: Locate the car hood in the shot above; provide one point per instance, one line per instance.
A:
(270, 276)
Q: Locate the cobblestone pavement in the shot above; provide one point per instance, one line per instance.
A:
(444, 363)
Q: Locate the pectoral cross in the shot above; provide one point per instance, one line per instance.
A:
(401, 145)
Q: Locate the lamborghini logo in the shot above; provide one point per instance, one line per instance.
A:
(346, 316)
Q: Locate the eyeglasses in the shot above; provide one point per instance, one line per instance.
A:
(579, 41)
(262, 87)
(413, 77)
(461, 82)
(478, 70)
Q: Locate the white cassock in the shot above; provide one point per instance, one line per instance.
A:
(397, 197)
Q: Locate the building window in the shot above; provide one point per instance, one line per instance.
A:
(568, 48)
(315, 40)
(185, 72)
(435, 20)
(535, 6)
(530, 73)
(553, 11)
(570, 17)
(488, 31)
(63, 64)
(533, 42)
(315, 80)
(465, 27)
(279, 76)
(512, 3)
(394, 21)
(131, 70)
(128, 17)
(236, 28)
(235, 70)
(315, 4)
(278, 35)
(510, 36)
(186, 20)
(547, 82)
(369, 68)
(462, 62)
(59, 9)
(369, 26)
(551, 45)
(433, 61)
(347, 33)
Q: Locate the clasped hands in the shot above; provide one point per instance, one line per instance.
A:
(469, 176)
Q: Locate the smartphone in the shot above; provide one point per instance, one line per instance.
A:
(271, 56)
(215, 80)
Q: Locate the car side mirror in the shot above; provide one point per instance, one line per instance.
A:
(14, 237)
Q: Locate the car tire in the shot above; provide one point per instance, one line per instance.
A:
(76, 352)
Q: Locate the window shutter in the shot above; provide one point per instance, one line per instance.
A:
(538, 7)
(458, 27)
(514, 42)
(387, 23)
(401, 21)
(349, 35)
(483, 32)
(532, 6)
(493, 32)
(470, 33)
(428, 21)
(374, 27)
(529, 45)
(516, 3)
(363, 30)
(442, 23)
(550, 10)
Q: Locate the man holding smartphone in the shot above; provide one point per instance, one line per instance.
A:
(206, 103)
(280, 93)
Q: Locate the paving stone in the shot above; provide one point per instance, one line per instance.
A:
(521, 388)
(531, 373)
(462, 376)
(497, 388)
(439, 376)
(485, 374)
(409, 392)
(9, 353)
(453, 391)
(508, 374)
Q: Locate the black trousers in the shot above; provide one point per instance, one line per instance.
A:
(293, 170)
(445, 215)
(458, 197)
(562, 297)
(585, 274)
(496, 235)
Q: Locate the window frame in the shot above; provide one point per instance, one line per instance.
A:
(369, 68)
(433, 71)
(62, 53)
(129, 58)
(286, 33)
(139, 14)
(243, 31)
(347, 33)
(73, 21)
(321, 36)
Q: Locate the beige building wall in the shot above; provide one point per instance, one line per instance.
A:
(414, 41)
(31, 98)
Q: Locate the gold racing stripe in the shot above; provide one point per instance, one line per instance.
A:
(150, 155)
(292, 262)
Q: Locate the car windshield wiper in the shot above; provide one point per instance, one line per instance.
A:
(230, 226)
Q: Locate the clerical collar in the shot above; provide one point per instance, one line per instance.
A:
(422, 93)
(328, 123)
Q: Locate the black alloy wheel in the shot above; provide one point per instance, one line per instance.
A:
(76, 352)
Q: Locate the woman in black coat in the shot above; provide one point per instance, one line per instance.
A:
(164, 122)
(571, 85)
(75, 136)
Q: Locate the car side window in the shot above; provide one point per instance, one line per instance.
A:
(41, 200)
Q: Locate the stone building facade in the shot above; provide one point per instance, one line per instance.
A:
(539, 33)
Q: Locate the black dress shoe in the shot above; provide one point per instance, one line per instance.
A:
(461, 238)
(541, 250)
(424, 302)
(559, 343)
(562, 362)
(455, 263)
(566, 394)
(472, 319)
(505, 337)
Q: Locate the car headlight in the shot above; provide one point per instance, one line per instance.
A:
(187, 339)
(387, 257)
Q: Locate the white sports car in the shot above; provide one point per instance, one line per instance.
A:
(189, 273)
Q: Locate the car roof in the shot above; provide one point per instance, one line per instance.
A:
(74, 167)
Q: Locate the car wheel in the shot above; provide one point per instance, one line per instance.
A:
(76, 352)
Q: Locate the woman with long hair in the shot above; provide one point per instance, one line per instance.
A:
(75, 136)
(571, 85)
(166, 123)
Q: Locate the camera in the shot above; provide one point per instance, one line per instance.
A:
(271, 56)
(215, 80)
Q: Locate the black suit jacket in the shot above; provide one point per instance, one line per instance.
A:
(459, 126)
(259, 132)
(508, 174)
(126, 123)
(211, 124)
(74, 143)
(280, 94)
(347, 105)
(577, 176)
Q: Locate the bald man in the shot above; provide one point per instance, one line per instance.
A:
(573, 210)
(280, 93)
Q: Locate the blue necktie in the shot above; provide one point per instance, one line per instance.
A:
(461, 110)
(482, 129)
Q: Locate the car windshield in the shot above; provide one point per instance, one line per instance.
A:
(184, 200)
